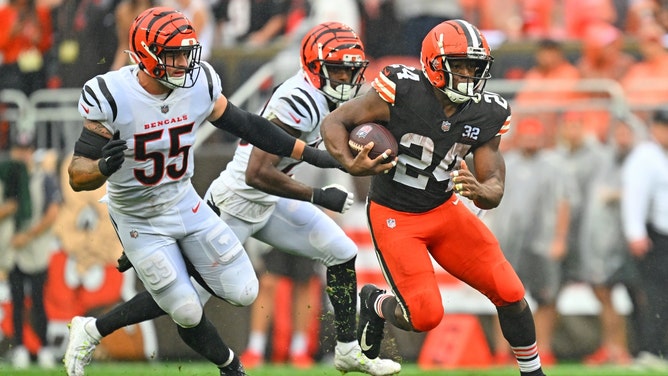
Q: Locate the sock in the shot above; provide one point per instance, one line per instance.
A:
(342, 291)
(257, 342)
(204, 339)
(519, 330)
(298, 344)
(91, 328)
(378, 304)
(346, 347)
(140, 308)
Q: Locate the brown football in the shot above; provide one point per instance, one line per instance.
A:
(382, 139)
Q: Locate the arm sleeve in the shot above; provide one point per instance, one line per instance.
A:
(256, 130)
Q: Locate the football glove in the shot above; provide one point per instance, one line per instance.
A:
(112, 155)
(123, 263)
(333, 197)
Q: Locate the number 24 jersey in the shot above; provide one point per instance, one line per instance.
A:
(431, 144)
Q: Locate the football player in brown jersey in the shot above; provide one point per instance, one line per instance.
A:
(417, 209)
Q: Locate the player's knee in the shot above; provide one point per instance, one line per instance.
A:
(339, 252)
(509, 287)
(188, 315)
(426, 311)
(246, 295)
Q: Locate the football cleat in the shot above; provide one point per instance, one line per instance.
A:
(371, 326)
(233, 371)
(355, 361)
(80, 347)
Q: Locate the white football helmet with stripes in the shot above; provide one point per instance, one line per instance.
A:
(456, 40)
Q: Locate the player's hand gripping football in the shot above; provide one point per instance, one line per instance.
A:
(363, 164)
(112, 155)
(333, 197)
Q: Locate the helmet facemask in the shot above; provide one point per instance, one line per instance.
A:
(166, 58)
(467, 87)
(340, 91)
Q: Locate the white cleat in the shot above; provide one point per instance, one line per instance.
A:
(80, 347)
(356, 361)
(20, 358)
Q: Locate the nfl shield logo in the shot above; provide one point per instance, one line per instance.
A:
(134, 234)
(445, 126)
(391, 223)
(164, 108)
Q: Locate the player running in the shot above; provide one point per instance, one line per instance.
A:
(438, 116)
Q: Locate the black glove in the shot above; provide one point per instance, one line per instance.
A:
(333, 197)
(319, 158)
(112, 155)
(123, 263)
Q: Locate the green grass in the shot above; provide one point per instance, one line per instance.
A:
(205, 369)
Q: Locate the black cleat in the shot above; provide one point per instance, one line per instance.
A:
(371, 326)
(233, 369)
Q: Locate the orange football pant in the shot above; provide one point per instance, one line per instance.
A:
(457, 240)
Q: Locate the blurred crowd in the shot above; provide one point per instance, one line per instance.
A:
(581, 228)
(59, 43)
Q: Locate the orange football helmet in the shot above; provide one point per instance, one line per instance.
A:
(456, 40)
(332, 45)
(158, 33)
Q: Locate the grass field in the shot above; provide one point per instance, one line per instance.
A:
(205, 369)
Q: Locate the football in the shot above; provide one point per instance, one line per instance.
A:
(382, 140)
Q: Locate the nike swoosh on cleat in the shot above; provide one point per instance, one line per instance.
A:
(363, 343)
(196, 208)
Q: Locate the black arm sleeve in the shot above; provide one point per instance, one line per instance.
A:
(256, 130)
(89, 144)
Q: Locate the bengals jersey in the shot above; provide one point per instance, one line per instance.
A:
(159, 131)
(431, 144)
(297, 104)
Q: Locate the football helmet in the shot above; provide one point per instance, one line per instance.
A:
(456, 40)
(328, 46)
(158, 36)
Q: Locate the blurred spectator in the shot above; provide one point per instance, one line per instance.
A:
(582, 156)
(376, 16)
(549, 85)
(417, 17)
(25, 37)
(602, 58)
(201, 16)
(32, 245)
(125, 13)
(344, 11)
(85, 42)
(15, 207)
(253, 22)
(578, 15)
(300, 271)
(531, 224)
(606, 261)
(646, 81)
(645, 224)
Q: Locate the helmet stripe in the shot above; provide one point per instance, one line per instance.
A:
(472, 37)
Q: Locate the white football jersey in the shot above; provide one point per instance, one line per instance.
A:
(159, 131)
(295, 103)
